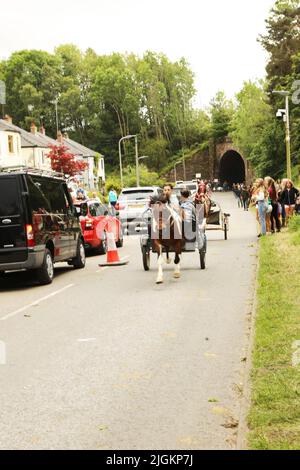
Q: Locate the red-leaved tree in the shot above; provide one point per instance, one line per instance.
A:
(64, 161)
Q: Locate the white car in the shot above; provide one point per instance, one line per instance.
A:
(132, 204)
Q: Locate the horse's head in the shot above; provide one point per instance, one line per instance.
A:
(160, 212)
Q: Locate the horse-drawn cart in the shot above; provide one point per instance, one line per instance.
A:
(217, 219)
(196, 242)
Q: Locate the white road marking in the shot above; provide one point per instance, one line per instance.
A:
(102, 269)
(87, 340)
(36, 302)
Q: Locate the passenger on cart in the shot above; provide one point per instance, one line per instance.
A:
(188, 212)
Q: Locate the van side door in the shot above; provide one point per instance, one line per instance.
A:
(12, 219)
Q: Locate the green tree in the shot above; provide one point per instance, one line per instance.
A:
(221, 111)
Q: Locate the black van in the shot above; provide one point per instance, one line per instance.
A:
(38, 224)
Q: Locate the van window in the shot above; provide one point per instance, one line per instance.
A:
(38, 199)
(57, 197)
(46, 194)
(9, 199)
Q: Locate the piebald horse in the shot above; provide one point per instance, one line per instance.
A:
(166, 233)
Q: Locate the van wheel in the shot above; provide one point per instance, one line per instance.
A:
(80, 260)
(45, 273)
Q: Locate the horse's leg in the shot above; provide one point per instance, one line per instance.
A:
(177, 274)
(168, 257)
(160, 261)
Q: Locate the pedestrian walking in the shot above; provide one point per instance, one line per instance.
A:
(113, 199)
(245, 196)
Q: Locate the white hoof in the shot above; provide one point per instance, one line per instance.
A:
(177, 275)
(159, 281)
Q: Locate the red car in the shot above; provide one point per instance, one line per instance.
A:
(92, 217)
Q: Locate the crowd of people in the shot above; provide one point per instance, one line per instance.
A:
(275, 201)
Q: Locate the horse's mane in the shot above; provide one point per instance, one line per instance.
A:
(160, 199)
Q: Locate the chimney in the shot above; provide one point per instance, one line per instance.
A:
(42, 130)
(33, 128)
(60, 137)
(8, 119)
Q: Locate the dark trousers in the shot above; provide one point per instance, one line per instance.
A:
(245, 204)
(275, 217)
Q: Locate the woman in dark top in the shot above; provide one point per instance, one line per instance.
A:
(288, 198)
(273, 196)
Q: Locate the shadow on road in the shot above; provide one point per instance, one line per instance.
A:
(22, 280)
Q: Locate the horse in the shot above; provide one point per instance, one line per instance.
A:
(166, 233)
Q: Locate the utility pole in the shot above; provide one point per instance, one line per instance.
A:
(288, 139)
(285, 114)
(137, 161)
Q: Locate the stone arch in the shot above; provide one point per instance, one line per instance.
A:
(222, 152)
(232, 168)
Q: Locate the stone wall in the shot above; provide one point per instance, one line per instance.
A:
(198, 163)
(207, 163)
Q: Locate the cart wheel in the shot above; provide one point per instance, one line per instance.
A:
(146, 258)
(202, 259)
(225, 231)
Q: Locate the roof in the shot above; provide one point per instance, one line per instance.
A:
(4, 126)
(28, 139)
(78, 149)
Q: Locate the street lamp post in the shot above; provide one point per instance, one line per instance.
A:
(127, 137)
(286, 113)
(175, 171)
(143, 157)
(184, 168)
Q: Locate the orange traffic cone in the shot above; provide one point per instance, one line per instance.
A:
(112, 252)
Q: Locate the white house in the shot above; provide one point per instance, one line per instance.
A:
(10, 146)
(93, 174)
(32, 150)
(19, 147)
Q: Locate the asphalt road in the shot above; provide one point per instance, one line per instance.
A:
(106, 359)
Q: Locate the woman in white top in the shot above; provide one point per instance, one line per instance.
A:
(260, 197)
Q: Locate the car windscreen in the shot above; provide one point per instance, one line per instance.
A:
(136, 195)
(9, 199)
(97, 209)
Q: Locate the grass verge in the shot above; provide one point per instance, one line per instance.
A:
(274, 417)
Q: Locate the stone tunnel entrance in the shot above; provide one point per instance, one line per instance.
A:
(232, 168)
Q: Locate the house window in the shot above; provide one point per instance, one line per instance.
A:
(10, 144)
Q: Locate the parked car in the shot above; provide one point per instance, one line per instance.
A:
(92, 214)
(190, 185)
(131, 205)
(38, 224)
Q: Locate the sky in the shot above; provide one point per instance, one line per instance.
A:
(217, 37)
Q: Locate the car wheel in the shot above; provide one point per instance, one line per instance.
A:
(80, 260)
(225, 232)
(202, 254)
(120, 242)
(45, 273)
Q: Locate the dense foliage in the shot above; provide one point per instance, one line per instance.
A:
(257, 132)
(103, 98)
